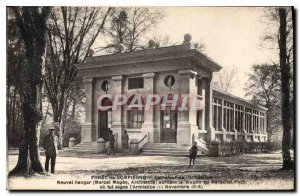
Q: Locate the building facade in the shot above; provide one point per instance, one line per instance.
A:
(166, 72)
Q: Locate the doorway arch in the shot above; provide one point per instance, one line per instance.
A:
(105, 119)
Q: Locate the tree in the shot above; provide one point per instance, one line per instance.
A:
(31, 22)
(163, 41)
(128, 26)
(199, 46)
(224, 80)
(285, 88)
(264, 88)
(71, 33)
(271, 37)
(15, 61)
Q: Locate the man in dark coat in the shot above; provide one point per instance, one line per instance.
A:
(193, 153)
(50, 143)
(125, 144)
(111, 139)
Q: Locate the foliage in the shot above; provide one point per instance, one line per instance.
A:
(73, 129)
(224, 80)
(264, 88)
(280, 20)
(129, 26)
(71, 33)
(271, 38)
(163, 41)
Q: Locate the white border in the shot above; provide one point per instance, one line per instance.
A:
(4, 3)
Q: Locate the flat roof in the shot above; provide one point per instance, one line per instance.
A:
(150, 54)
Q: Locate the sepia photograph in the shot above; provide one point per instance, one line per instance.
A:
(148, 98)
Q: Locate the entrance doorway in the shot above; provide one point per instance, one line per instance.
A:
(169, 125)
(104, 120)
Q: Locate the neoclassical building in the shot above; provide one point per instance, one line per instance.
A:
(166, 72)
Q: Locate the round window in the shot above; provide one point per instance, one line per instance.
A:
(169, 80)
(105, 85)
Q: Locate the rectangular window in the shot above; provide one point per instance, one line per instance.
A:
(135, 83)
(199, 87)
(135, 118)
(248, 120)
(239, 110)
(217, 114)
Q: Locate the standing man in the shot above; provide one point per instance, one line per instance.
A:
(125, 144)
(50, 143)
(111, 139)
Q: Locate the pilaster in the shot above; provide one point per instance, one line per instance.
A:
(118, 124)
(88, 128)
(185, 126)
(211, 132)
(148, 126)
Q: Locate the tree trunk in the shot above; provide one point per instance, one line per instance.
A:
(57, 121)
(73, 110)
(285, 87)
(23, 165)
(29, 158)
(8, 114)
(14, 117)
(46, 114)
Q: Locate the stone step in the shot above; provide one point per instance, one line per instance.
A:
(81, 150)
(183, 147)
(167, 149)
(83, 147)
(163, 154)
(164, 144)
(94, 145)
(164, 151)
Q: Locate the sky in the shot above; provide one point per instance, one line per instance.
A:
(232, 36)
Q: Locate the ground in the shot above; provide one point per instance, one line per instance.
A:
(251, 171)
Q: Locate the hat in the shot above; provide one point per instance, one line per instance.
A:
(51, 127)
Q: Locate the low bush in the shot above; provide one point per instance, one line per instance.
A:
(239, 147)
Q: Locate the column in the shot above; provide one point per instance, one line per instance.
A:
(265, 126)
(118, 124)
(244, 122)
(234, 119)
(148, 125)
(89, 127)
(208, 110)
(222, 120)
(252, 123)
(184, 129)
(259, 127)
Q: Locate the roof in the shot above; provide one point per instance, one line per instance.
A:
(148, 55)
